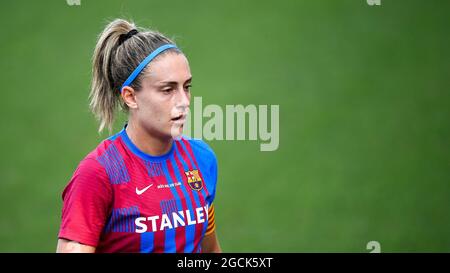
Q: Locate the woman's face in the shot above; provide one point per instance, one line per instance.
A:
(163, 101)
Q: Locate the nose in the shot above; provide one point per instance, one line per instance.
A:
(183, 99)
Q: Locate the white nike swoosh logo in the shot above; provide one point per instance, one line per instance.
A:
(139, 192)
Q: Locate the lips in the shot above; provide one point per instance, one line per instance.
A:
(179, 118)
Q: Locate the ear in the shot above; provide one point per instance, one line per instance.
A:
(129, 97)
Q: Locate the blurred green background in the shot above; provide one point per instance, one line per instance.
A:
(364, 117)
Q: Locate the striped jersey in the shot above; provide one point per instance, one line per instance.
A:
(121, 199)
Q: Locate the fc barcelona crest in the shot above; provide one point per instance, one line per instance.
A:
(194, 180)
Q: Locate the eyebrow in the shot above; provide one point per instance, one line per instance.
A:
(174, 82)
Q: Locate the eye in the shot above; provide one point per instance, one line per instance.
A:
(167, 90)
(188, 87)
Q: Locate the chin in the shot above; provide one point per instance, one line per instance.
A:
(176, 132)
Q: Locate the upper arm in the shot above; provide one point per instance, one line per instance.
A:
(210, 243)
(66, 246)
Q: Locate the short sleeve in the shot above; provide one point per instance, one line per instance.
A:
(211, 221)
(87, 200)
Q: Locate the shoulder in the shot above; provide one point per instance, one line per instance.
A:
(207, 163)
(90, 169)
(204, 155)
(91, 163)
(201, 150)
(89, 166)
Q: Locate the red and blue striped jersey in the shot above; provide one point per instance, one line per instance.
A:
(121, 199)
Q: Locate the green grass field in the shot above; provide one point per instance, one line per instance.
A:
(364, 101)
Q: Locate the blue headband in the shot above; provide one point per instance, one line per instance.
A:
(145, 62)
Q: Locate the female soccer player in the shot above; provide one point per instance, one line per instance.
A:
(144, 189)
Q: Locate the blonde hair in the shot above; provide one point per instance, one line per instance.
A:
(113, 61)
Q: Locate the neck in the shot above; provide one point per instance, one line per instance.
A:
(146, 142)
